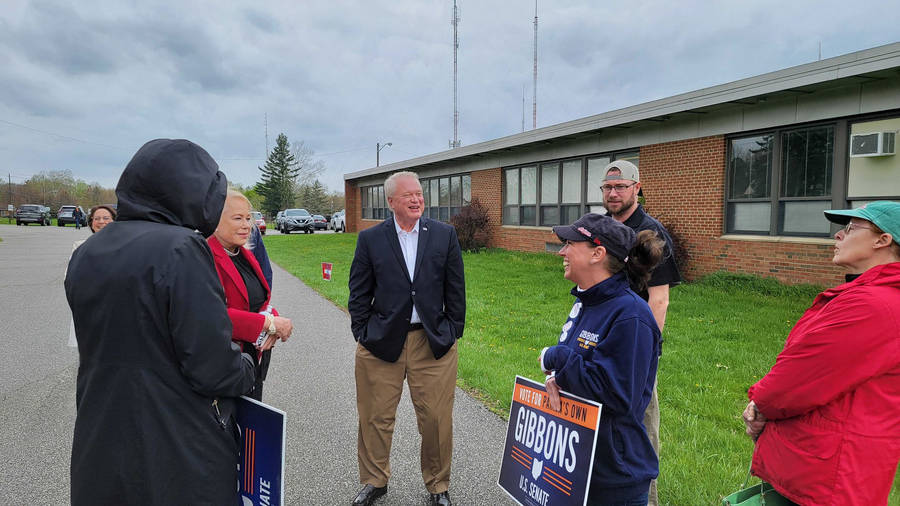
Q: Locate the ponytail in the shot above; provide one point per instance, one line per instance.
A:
(645, 255)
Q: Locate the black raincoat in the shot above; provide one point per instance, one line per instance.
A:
(158, 371)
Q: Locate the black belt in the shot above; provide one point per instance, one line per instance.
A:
(415, 326)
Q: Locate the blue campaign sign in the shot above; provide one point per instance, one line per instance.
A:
(549, 455)
(262, 453)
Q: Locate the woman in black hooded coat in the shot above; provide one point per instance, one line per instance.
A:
(158, 372)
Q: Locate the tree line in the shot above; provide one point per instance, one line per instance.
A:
(289, 179)
(54, 189)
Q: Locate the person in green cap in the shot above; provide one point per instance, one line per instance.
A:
(826, 418)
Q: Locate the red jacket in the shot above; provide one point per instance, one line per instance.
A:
(833, 397)
(246, 325)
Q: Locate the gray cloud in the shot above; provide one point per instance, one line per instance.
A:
(342, 75)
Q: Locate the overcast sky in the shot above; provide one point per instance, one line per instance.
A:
(84, 84)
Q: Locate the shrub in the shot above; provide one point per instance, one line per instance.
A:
(473, 226)
(682, 256)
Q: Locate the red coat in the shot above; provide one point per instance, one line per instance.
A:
(246, 325)
(833, 397)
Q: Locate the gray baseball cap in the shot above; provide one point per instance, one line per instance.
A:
(627, 171)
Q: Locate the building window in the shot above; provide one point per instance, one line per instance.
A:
(556, 193)
(560, 192)
(520, 201)
(374, 205)
(780, 182)
(594, 194)
(445, 196)
(873, 178)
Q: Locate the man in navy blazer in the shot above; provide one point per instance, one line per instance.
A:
(407, 309)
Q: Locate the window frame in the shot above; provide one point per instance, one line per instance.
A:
(836, 198)
(844, 178)
(583, 205)
(445, 212)
(369, 196)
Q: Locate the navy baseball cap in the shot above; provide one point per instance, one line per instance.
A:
(601, 230)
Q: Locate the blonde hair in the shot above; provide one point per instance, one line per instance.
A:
(390, 185)
(234, 194)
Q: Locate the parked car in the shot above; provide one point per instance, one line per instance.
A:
(33, 213)
(297, 219)
(319, 222)
(64, 216)
(260, 221)
(278, 218)
(337, 222)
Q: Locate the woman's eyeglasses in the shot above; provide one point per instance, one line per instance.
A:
(853, 226)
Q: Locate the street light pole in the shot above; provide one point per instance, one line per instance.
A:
(378, 148)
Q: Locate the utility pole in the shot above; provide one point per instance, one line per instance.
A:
(455, 22)
(534, 87)
(9, 185)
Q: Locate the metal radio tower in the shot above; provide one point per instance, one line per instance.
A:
(534, 86)
(523, 107)
(455, 22)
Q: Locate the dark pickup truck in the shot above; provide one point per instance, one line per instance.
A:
(33, 213)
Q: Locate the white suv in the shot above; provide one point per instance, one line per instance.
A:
(337, 222)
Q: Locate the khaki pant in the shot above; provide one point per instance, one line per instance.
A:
(651, 422)
(432, 387)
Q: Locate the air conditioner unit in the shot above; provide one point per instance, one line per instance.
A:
(872, 144)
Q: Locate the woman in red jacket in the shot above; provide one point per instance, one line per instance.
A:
(256, 325)
(827, 416)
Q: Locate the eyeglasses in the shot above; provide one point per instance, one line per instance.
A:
(853, 226)
(618, 187)
(102, 218)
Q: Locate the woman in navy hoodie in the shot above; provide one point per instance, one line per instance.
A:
(608, 350)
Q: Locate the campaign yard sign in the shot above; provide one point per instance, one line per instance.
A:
(326, 271)
(549, 455)
(262, 453)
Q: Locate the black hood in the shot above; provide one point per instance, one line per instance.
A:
(172, 181)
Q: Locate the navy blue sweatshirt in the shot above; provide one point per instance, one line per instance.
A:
(607, 352)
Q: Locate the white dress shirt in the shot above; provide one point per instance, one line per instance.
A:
(409, 245)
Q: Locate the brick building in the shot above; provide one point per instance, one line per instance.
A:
(740, 172)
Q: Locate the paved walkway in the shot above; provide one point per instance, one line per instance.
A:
(311, 378)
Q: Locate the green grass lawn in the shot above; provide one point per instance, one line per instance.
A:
(4, 221)
(722, 334)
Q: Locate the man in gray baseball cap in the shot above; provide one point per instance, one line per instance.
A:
(621, 187)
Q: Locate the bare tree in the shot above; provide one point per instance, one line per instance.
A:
(309, 167)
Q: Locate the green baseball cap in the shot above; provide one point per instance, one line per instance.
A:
(883, 213)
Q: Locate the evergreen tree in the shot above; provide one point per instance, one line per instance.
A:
(317, 198)
(279, 177)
